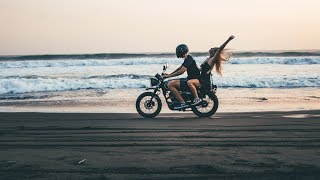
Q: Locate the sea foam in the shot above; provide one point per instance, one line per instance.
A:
(47, 84)
(53, 73)
(149, 61)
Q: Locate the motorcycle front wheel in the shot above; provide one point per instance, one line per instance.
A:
(208, 107)
(146, 107)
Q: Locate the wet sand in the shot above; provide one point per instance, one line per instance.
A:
(119, 101)
(258, 145)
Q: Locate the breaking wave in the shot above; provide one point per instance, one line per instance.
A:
(149, 61)
(26, 84)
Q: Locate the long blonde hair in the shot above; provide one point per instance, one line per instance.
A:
(223, 57)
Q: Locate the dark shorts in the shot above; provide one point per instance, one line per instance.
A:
(184, 84)
(205, 82)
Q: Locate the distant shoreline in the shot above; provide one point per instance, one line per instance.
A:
(159, 53)
(255, 53)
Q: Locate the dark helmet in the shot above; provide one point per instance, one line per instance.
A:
(181, 50)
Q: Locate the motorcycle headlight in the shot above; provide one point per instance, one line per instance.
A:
(154, 81)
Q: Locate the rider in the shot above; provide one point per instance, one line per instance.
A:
(216, 56)
(188, 65)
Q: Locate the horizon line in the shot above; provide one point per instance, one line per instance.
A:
(156, 53)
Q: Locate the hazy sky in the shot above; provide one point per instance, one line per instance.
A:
(98, 26)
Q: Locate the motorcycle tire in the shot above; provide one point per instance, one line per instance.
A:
(145, 107)
(215, 100)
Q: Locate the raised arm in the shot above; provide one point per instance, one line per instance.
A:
(217, 54)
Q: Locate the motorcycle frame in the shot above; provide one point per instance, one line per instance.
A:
(164, 90)
(157, 89)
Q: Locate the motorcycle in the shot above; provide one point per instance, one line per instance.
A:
(149, 104)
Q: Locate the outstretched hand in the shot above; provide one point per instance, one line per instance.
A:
(231, 37)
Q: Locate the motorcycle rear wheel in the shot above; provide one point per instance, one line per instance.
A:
(147, 108)
(208, 109)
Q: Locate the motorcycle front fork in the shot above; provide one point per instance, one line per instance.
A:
(156, 91)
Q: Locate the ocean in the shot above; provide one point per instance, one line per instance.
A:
(112, 80)
(48, 73)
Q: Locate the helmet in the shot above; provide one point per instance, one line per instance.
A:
(181, 50)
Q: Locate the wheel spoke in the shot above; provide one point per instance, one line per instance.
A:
(209, 107)
(148, 108)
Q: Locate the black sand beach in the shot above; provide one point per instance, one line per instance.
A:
(261, 145)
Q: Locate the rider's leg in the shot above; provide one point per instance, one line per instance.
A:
(193, 85)
(174, 87)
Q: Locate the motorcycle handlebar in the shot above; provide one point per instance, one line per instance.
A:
(158, 76)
